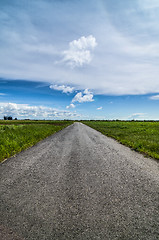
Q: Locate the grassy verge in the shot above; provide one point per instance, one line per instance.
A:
(16, 136)
(140, 136)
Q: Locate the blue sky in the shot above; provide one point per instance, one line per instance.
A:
(77, 59)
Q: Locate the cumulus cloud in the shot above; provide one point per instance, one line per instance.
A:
(23, 111)
(99, 108)
(70, 106)
(87, 91)
(83, 43)
(79, 52)
(155, 97)
(86, 96)
(63, 88)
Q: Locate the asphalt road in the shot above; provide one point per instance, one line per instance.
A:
(79, 184)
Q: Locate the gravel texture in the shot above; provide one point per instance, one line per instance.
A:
(79, 184)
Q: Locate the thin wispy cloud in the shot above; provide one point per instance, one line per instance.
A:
(137, 116)
(40, 48)
(155, 97)
(149, 4)
(70, 106)
(99, 108)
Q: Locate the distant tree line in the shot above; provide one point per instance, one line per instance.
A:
(9, 118)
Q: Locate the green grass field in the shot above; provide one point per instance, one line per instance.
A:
(140, 136)
(16, 136)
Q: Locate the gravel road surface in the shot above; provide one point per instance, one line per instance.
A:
(79, 184)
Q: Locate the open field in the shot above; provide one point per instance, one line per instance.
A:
(140, 136)
(16, 136)
(26, 122)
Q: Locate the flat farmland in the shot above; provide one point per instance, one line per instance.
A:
(18, 135)
(140, 136)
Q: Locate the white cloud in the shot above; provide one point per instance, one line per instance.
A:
(86, 96)
(2, 94)
(125, 62)
(137, 116)
(71, 106)
(23, 111)
(99, 108)
(63, 88)
(84, 43)
(79, 52)
(86, 91)
(155, 97)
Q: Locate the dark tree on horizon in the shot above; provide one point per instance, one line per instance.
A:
(8, 118)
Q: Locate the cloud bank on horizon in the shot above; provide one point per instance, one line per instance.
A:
(24, 111)
(111, 49)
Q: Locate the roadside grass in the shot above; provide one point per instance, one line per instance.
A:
(140, 136)
(17, 122)
(16, 136)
